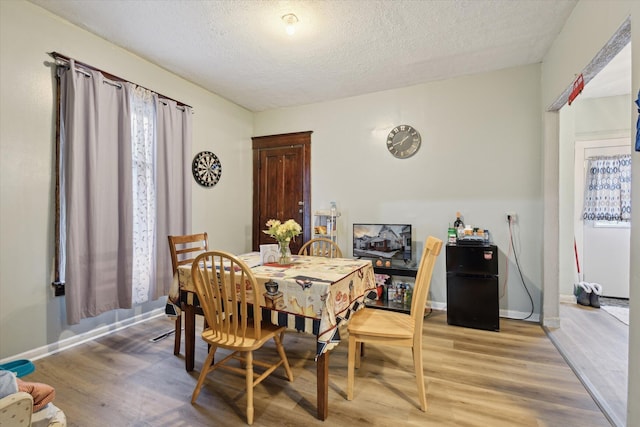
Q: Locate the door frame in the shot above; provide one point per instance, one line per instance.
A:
(302, 139)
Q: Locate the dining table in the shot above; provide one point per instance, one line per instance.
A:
(313, 295)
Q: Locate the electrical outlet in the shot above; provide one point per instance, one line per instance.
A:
(510, 217)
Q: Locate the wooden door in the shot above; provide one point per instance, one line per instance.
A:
(281, 184)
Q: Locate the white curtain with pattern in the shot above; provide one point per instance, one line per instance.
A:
(607, 195)
(143, 142)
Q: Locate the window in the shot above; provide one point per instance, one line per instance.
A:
(607, 196)
(118, 144)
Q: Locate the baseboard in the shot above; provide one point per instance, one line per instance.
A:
(551, 322)
(520, 315)
(509, 314)
(67, 343)
(568, 298)
(437, 305)
(58, 346)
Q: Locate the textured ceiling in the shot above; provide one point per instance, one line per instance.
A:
(239, 49)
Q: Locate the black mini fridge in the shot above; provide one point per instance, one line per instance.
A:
(472, 286)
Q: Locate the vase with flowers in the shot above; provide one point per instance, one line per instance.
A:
(283, 232)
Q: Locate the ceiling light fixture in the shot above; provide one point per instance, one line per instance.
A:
(290, 20)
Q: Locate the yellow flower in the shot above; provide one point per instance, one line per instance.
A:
(282, 232)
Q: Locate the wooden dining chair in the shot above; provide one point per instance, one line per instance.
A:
(184, 250)
(375, 326)
(227, 289)
(321, 247)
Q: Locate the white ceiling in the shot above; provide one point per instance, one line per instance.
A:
(239, 49)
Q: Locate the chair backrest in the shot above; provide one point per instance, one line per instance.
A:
(184, 249)
(431, 251)
(227, 289)
(16, 409)
(321, 247)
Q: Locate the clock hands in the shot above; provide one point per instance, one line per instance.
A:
(400, 142)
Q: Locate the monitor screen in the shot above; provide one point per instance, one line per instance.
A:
(386, 241)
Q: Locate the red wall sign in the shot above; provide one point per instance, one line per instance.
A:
(578, 85)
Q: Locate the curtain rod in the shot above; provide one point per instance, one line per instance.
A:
(608, 156)
(60, 57)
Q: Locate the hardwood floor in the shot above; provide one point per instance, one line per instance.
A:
(596, 344)
(514, 377)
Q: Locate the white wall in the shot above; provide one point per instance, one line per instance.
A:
(480, 155)
(587, 30)
(606, 259)
(30, 316)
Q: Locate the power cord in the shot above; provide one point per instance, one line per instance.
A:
(515, 256)
(506, 273)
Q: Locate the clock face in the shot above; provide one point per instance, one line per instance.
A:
(403, 141)
(206, 169)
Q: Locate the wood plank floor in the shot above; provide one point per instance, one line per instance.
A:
(514, 377)
(596, 344)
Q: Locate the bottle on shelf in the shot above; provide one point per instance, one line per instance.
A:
(407, 295)
(452, 234)
(458, 224)
(331, 221)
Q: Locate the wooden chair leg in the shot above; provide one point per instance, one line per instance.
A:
(205, 326)
(206, 368)
(417, 363)
(283, 356)
(351, 362)
(249, 380)
(177, 335)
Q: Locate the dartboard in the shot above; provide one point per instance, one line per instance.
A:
(207, 169)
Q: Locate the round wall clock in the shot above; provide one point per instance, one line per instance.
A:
(206, 168)
(403, 141)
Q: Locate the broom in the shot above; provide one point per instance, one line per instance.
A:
(575, 251)
(581, 289)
